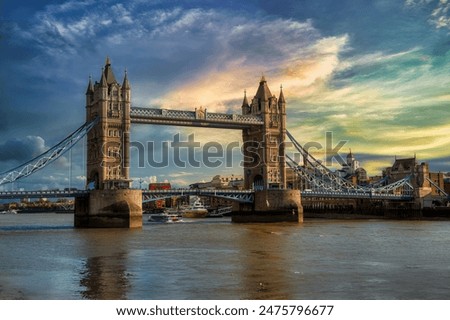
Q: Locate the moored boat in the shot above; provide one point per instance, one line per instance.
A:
(196, 210)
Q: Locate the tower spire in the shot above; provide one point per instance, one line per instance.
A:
(245, 106)
(281, 98)
(110, 78)
(263, 78)
(90, 88)
(263, 92)
(125, 84)
(103, 82)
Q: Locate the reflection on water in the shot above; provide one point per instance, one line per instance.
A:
(43, 257)
(104, 271)
(104, 278)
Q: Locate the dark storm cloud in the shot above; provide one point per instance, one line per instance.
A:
(22, 149)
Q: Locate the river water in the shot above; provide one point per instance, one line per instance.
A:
(43, 257)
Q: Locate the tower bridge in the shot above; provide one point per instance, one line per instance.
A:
(112, 203)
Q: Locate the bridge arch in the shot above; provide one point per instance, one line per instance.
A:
(93, 179)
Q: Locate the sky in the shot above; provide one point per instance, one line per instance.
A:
(373, 73)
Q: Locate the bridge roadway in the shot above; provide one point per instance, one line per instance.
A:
(244, 196)
(43, 194)
(356, 195)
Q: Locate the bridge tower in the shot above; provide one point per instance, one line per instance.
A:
(111, 202)
(108, 142)
(264, 160)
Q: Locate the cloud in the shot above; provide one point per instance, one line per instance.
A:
(22, 149)
(181, 174)
(415, 3)
(439, 14)
(301, 60)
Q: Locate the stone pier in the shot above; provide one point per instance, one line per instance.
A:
(120, 208)
(273, 206)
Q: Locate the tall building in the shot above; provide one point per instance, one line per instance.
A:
(264, 161)
(108, 142)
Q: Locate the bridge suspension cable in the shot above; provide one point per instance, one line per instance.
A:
(314, 171)
(322, 180)
(42, 160)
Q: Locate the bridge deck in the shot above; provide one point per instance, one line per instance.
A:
(43, 194)
(245, 196)
(356, 195)
(237, 195)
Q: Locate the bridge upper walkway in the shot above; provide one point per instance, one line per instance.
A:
(194, 118)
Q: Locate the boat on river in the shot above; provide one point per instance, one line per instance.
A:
(9, 211)
(195, 210)
(164, 217)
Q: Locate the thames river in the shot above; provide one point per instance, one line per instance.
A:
(43, 257)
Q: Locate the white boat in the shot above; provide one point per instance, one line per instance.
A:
(164, 217)
(9, 211)
(196, 210)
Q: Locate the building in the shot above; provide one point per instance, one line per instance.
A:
(108, 142)
(264, 162)
(424, 181)
(352, 171)
(221, 182)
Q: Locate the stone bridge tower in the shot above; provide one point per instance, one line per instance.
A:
(111, 203)
(264, 160)
(265, 163)
(108, 142)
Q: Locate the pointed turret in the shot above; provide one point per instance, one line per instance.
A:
(350, 158)
(109, 73)
(126, 89)
(89, 92)
(125, 84)
(90, 87)
(281, 101)
(103, 82)
(263, 92)
(281, 98)
(245, 106)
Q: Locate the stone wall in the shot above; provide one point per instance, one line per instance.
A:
(120, 208)
(273, 206)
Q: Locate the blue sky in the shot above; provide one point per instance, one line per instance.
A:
(375, 73)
